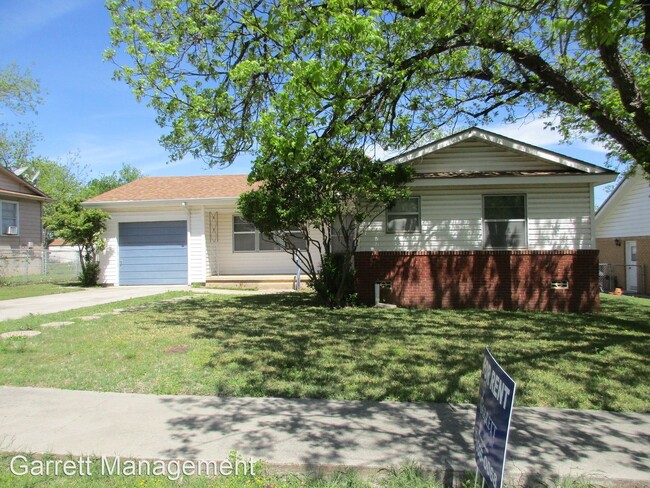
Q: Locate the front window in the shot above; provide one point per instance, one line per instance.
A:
(504, 222)
(9, 218)
(246, 238)
(244, 235)
(404, 216)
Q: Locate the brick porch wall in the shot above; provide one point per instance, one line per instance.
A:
(504, 280)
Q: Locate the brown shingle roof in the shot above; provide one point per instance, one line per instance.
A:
(177, 188)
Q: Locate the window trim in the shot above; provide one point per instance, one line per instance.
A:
(257, 239)
(419, 213)
(17, 204)
(484, 221)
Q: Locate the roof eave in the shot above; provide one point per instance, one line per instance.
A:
(26, 196)
(31, 187)
(163, 202)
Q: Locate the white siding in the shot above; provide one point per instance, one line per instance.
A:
(451, 219)
(196, 246)
(474, 155)
(627, 214)
(109, 258)
(243, 263)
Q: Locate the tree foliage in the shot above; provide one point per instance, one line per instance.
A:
(83, 228)
(19, 94)
(107, 182)
(220, 74)
(326, 195)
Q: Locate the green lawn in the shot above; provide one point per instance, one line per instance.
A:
(9, 292)
(409, 476)
(286, 346)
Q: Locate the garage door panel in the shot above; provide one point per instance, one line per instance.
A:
(153, 253)
(161, 239)
(153, 276)
(144, 251)
(137, 265)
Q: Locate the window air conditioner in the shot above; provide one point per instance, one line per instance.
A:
(12, 230)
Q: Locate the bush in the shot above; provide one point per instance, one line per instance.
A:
(90, 274)
(329, 278)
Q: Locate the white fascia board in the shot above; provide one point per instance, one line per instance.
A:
(612, 199)
(189, 202)
(597, 179)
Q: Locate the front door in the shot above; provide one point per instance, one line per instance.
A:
(631, 274)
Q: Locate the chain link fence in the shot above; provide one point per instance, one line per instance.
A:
(612, 276)
(39, 266)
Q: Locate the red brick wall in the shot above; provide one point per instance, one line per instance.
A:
(504, 280)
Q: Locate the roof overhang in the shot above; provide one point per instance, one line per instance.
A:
(26, 196)
(36, 192)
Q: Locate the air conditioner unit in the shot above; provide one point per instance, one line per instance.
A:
(12, 230)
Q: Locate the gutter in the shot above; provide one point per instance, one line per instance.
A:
(164, 202)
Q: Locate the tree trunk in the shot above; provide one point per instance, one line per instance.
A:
(345, 272)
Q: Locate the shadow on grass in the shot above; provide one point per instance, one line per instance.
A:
(286, 346)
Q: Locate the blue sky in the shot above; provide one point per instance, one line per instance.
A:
(86, 112)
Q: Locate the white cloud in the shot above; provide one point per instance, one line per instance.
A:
(20, 19)
(105, 155)
(537, 133)
(375, 151)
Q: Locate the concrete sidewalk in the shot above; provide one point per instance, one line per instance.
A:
(282, 432)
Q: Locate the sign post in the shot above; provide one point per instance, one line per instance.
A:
(492, 425)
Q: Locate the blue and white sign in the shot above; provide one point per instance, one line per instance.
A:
(493, 414)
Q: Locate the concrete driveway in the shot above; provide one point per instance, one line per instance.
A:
(21, 307)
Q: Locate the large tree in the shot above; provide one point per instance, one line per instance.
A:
(315, 204)
(385, 71)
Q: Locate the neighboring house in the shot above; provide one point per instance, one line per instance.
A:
(21, 229)
(623, 235)
(492, 223)
(62, 252)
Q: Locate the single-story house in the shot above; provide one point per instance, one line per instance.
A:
(491, 223)
(623, 235)
(21, 227)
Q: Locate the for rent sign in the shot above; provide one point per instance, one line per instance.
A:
(493, 413)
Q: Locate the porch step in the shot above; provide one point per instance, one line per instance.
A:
(259, 282)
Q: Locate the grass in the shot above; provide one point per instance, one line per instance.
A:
(9, 292)
(95, 473)
(56, 273)
(409, 476)
(286, 346)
